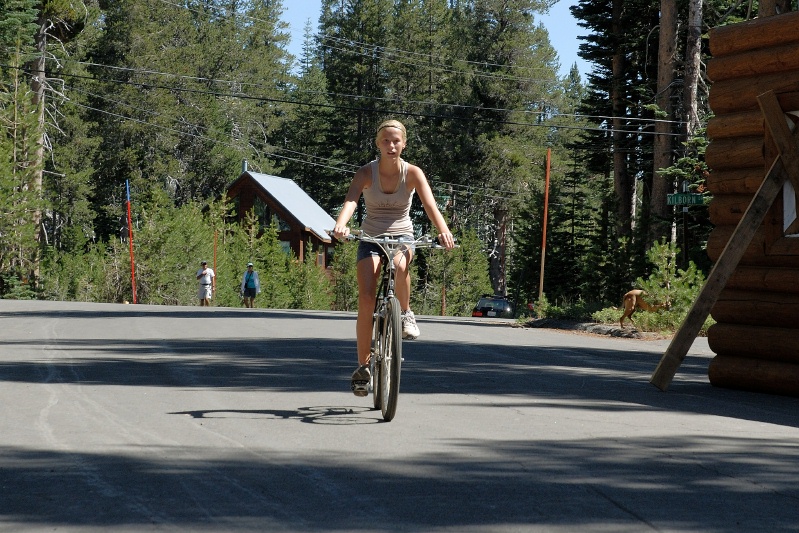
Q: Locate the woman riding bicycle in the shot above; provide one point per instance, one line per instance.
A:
(387, 185)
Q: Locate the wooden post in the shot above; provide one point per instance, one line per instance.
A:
(544, 232)
(130, 243)
(213, 279)
(783, 168)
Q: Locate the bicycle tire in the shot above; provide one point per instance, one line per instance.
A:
(377, 396)
(391, 360)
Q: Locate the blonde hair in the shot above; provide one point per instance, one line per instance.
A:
(391, 124)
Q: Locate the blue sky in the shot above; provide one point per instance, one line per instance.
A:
(563, 30)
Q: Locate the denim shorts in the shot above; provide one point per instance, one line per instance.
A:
(249, 292)
(370, 249)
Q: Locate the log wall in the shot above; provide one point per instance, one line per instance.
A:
(756, 338)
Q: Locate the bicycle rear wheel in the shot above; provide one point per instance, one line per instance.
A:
(391, 360)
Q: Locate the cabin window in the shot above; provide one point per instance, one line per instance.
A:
(790, 222)
(282, 225)
(261, 211)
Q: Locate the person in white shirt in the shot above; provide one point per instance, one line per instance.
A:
(207, 280)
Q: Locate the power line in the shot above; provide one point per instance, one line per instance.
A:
(446, 69)
(501, 194)
(427, 56)
(210, 139)
(484, 191)
(434, 183)
(392, 50)
(386, 111)
(238, 83)
(373, 98)
(385, 49)
(327, 161)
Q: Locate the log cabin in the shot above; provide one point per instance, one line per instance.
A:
(301, 221)
(756, 335)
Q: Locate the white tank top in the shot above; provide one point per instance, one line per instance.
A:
(388, 213)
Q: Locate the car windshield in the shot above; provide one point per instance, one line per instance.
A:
(497, 305)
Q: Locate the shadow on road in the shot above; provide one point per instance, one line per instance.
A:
(517, 486)
(592, 483)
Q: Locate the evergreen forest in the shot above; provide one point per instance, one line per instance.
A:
(153, 105)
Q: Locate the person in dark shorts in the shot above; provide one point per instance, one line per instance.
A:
(387, 185)
(250, 286)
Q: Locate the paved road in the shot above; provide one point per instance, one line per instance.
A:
(139, 418)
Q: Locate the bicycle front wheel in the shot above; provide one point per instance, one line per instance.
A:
(377, 396)
(391, 360)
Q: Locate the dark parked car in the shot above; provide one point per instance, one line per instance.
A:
(493, 306)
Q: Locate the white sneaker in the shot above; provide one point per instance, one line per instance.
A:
(409, 328)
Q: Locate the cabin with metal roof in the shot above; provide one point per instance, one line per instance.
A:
(299, 218)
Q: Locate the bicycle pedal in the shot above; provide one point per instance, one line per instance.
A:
(360, 388)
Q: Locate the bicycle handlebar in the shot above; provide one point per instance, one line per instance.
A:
(425, 241)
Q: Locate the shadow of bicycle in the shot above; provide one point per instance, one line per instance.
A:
(337, 416)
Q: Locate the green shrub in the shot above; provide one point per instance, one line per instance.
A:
(566, 310)
(667, 284)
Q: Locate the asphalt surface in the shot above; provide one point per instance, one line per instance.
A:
(143, 418)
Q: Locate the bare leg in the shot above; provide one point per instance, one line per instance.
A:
(402, 282)
(368, 270)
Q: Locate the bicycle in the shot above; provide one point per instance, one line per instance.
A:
(385, 360)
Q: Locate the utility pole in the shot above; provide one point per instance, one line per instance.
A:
(544, 228)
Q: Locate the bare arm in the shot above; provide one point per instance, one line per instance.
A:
(418, 181)
(359, 182)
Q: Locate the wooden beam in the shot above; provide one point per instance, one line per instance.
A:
(781, 135)
(721, 272)
(737, 245)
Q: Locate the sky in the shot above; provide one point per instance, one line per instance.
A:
(562, 27)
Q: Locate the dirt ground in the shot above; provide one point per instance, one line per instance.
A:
(592, 328)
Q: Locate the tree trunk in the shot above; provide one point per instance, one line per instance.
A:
(37, 67)
(662, 157)
(621, 177)
(692, 64)
(497, 255)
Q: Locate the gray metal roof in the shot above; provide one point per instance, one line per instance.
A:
(297, 202)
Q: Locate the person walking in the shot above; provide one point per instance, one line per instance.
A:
(250, 286)
(207, 280)
(387, 185)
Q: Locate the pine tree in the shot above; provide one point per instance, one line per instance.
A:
(450, 282)
(197, 93)
(350, 34)
(513, 70)
(344, 277)
(310, 159)
(19, 195)
(309, 287)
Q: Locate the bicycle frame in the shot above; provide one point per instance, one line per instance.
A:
(386, 350)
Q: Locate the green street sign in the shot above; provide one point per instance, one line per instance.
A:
(685, 198)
